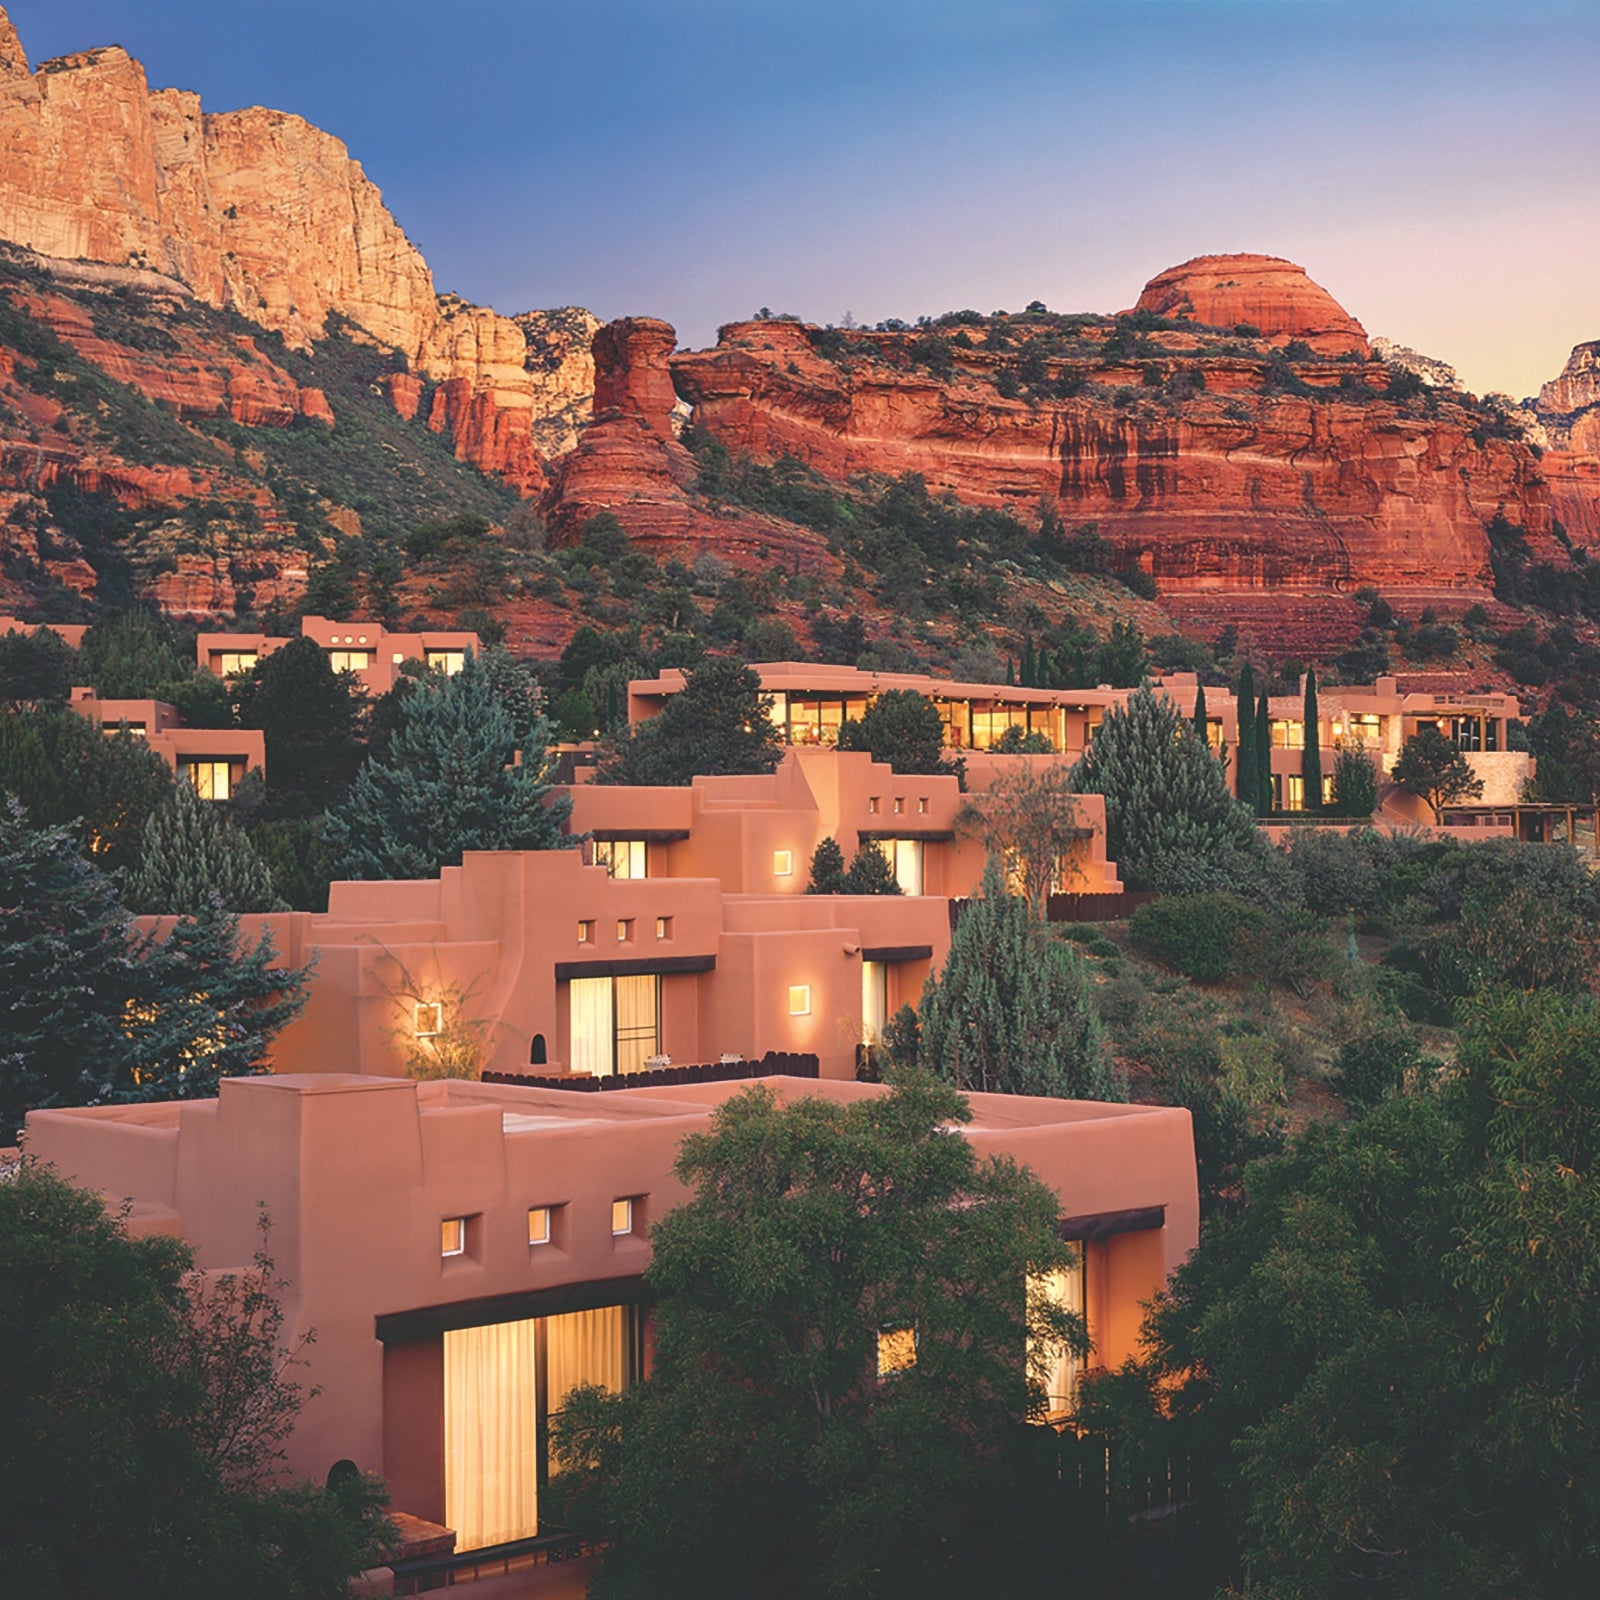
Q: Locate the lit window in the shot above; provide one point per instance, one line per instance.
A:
(872, 805)
(211, 780)
(782, 863)
(586, 932)
(427, 1019)
(899, 804)
(897, 1350)
(621, 1217)
(232, 662)
(398, 658)
(624, 929)
(622, 858)
(800, 1000)
(663, 927)
(349, 660)
(449, 662)
(539, 1224)
(922, 807)
(453, 1236)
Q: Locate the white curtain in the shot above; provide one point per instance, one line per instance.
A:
(638, 1002)
(593, 1026)
(491, 1476)
(585, 1347)
(874, 1000)
(1063, 1289)
(908, 865)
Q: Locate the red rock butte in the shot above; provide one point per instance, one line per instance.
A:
(1267, 292)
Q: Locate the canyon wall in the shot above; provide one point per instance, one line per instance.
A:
(260, 213)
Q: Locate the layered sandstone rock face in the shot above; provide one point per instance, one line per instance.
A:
(258, 212)
(1273, 295)
(629, 462)
(1224, 492)
(1569, 410)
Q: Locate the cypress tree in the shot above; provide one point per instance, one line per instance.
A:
(1247, 784)
(1263, 755)
(1012, 1010)
(1311, 761)
(1029, 667)
(1167, 801)
(193, 854)
(1200, 715)
(448, 784)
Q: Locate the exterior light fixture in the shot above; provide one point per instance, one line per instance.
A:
(800, 1000)
(782, 863)
(427, 1019)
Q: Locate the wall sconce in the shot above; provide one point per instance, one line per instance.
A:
(800, 1000)
(782, 863)
(427, 1019)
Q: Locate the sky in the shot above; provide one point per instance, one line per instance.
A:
(1432, 163)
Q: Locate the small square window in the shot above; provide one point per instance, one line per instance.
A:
(453, 1236)
(663, 927)
(782, 863)
(398, 658)
(539, 1224)
(922, 806)
(872, 805)
(621, 1217)
(624, 929)
(586, 932)
(427, 1019)
(897, 1351)
(800, 1000)
(899, 804)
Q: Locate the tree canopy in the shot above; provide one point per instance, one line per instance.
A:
(1433, 769)
(718, 723)
(145, 1411)
(902, 728)
(192, 852)
(840, 1359)
(1167, 802)
(451, 781)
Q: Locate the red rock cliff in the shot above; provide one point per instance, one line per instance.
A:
(1273, 295)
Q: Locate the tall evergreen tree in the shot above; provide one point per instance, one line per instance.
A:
(1201, 731)
(1247, 784)
(191, 854)
(1263, 755)
(1012, 1011)
(36, 669)
(1311, 762)
(870, 872)
(449, 784)
(1167, 801)
(827, 868)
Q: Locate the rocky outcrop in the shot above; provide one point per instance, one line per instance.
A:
(628, 462)
(1568, 408)
(1238, 488)
(1433, 372)
(258, 212)
(1273, 295)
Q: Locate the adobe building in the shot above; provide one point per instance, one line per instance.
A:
(70, 633)
(368, 649)
(213, 760)
(467, 1253)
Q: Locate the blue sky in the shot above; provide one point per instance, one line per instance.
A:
(1431, 162)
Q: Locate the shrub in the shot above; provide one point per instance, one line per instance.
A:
(1198, 935)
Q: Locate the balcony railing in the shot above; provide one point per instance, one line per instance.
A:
(775, 1063)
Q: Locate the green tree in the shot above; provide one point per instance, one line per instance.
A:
(827, 868)
(66, 772)
(870, 872)
(192, 852)
(312, 719)
(1167, 800)
(1247, 768)
(1012, 1011)
(450, 782)
(1311, 761)
(91, 1014)
(1029, 820)
(719, 722)
(1434, 770)
(1355, 784)
(133, 655)
(36, 669)
(144, 1411)
(902, 728)
(1264, 795)
(1201, 731)
(839, 1360)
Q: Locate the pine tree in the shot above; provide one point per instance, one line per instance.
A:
(1311, 761)
(827, 868)
(1012, 1011)
(870, 872)
(1263, 755)
(1201, 731)
(1247, 783)
(1167, 801)
(448, 784)
(191, 854)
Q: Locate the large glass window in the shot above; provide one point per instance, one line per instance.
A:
(231, 662)
(502, 1384)
(905, 857)
(622, 858)
(1062, 1368)
(212, 780)
(615, 1023)
(874, 1000)
(349, 660)
(449, 662)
